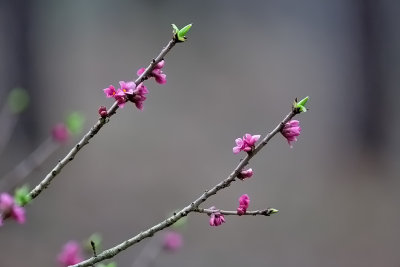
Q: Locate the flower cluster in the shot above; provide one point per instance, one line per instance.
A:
(70, 254)
(8, 208)
(246, 143)
(291, 130)
(245, 174)
(244, 202)
(157, 73)
(128, 91)
(216, 218)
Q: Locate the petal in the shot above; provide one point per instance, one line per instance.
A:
(6, 202)
(140, 71)
(247, 137)
(236, 150)
(161, 79)
(160, 64)
(18, 214)
(239, 142)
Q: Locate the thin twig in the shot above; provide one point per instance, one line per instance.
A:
(94, 130)
(266, 212)
(17, 175)
(110, 253)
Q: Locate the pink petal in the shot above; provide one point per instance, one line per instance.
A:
(140, 71)
(160, 64)
(236, 150)
(18, 214)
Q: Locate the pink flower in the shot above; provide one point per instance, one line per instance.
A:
(157, 73)
(127, 87)
(70, 254)
(290, 131)
(244, 202)
(103, 111)
(120, 97)
(128, 90)
(172, 241)
(160, 77)
(110, 91)
(245, 174)
(60, 133)
(245, 144)
(216, 218)
(139, 96)
(9, 209)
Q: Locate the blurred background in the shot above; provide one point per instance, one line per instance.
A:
(245, 61)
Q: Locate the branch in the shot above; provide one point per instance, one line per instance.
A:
(28, 165)
(96, 128)
(266, 212)
(110, 253)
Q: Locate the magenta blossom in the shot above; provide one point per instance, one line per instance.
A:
(127, 87)
(110, 91)
(172, 241)
(139, 96)
(244, 202)
(245, 144)
(291, 130)
(9, 209)
(216, 218)
(60, 133)
(120, 97)
(128, 91)
(245, 174)
(70, 254)
(157, 73)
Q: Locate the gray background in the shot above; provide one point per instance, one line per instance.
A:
(245, 62)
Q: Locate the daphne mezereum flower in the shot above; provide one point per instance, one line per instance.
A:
(157, 73)
(110, 91)
(246, 143)
(290, 131)
(216, 218)
(70, 254)
(139, 96)
(172, 241)
(60, 133)
(127, 87)
(8, 208)
(244, 202)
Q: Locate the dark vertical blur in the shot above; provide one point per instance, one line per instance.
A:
(373, 92)
(16, 65)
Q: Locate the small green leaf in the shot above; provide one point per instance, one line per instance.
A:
(300, 106)
(272, 211)
(18, 100)
(303, 102)
(75, 122)
(21, 196)
(182, 32)
(175, 29)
